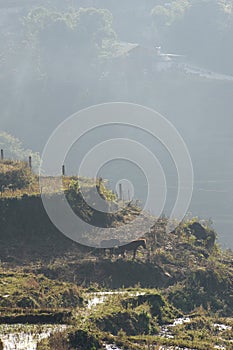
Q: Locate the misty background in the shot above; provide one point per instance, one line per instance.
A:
(57, 57)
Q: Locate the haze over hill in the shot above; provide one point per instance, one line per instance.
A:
(58, 57)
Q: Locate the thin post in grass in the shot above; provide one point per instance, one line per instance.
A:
(30, 162)
(120, 192)
(2, 154)
(63, 170)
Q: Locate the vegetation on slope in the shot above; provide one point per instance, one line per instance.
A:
(26, 290)
(193, 274)
(133, 322)
(15, 176)
(134, 314)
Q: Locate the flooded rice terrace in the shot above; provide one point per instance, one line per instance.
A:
(26, 337)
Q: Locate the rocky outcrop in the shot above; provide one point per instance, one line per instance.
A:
(202, 234)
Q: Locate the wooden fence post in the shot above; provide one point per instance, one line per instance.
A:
(30, 162)
(120, 192)
(63, 170)
(2, 154)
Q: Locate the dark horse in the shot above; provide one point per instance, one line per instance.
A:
(132, 246)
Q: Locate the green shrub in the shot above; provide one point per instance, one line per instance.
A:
(14, 175)
(82, 340)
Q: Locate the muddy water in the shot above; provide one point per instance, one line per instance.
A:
(112, 347)
(25, 337)
(100, 297)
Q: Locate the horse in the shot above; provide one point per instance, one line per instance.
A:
(132, 246)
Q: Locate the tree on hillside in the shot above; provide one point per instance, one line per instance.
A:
(69, 39)
(166, 14)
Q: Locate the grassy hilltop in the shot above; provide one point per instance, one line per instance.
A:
(26, 230)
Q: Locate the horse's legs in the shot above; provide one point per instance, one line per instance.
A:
(134, 254)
